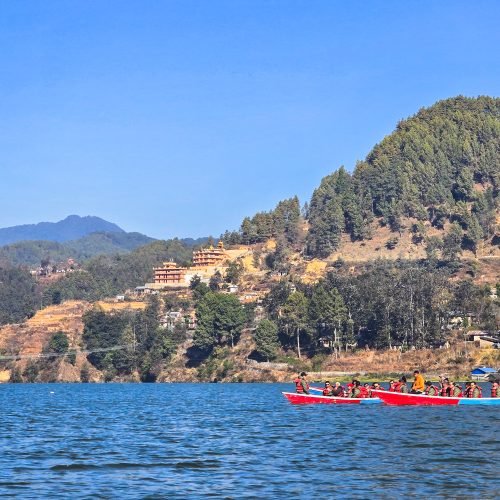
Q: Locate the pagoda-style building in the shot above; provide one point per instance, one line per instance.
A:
(170, 274)
(209, 256)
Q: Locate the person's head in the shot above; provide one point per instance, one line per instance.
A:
(327, 384)
(303, 374)
(376, 385)
(356, 383)
(473, 384)
(391, 382)
(403, 379)
(337, 384)
(428, 383)
(496, 383)
(366, 384)
(416, 372)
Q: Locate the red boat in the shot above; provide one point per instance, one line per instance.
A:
(399, 399)
(305, 399)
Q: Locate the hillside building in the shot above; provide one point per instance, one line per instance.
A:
(209, 256)
(169, 274)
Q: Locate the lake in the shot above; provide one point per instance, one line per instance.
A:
(237, 440)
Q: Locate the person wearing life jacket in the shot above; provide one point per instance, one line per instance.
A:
(467, 389)
(431, 390)
(455, 390)
(365, 390)
(350, 387)
(402, 387)
(495, 389)
(474, 391)
(356, 389)
(301, 385)
(418, 386)
(327, 391)
(392, 386)
(338, 391)
(445, 386)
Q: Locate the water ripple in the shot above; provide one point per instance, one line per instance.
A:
(240, 440)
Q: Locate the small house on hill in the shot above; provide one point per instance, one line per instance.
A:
(482, 372)
(482, 339)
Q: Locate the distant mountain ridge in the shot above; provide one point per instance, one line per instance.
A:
(29, 244)
(31, 252)
(72, 227)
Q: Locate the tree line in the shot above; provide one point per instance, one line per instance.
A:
(401, 305)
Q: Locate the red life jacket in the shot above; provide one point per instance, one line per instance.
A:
(436, 391)
(396, 387)
(470, 392)
(298, 385)
(365, 393)
(444, 391)
(327, 392)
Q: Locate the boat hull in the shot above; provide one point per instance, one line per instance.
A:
(306, 399)
(401, 399)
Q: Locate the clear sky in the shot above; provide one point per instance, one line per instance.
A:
(179, 118)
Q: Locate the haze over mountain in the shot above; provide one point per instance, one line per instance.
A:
(70, 228)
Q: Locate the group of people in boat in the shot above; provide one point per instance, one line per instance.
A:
(355, 389)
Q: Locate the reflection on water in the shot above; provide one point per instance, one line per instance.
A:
(237, 440)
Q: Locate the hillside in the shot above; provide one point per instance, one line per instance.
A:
(28, 340)
(440, 167)
(71, 228)
(431, 188)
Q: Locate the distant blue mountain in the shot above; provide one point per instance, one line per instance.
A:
(80, 238)
(72, 227)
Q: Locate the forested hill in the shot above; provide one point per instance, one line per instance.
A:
(31, 253)
(71, 228)
(441, 165)
(436, 176)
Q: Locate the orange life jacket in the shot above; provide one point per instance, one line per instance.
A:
(298, 385)
(436, 391)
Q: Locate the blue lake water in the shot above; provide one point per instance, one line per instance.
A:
(237, 440)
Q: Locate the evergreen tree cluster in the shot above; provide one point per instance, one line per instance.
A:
(399, 304)
(443, 164)
(283, 222)
(129, 342)
(19, 295)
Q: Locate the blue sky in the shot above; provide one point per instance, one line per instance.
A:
(179, 118)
